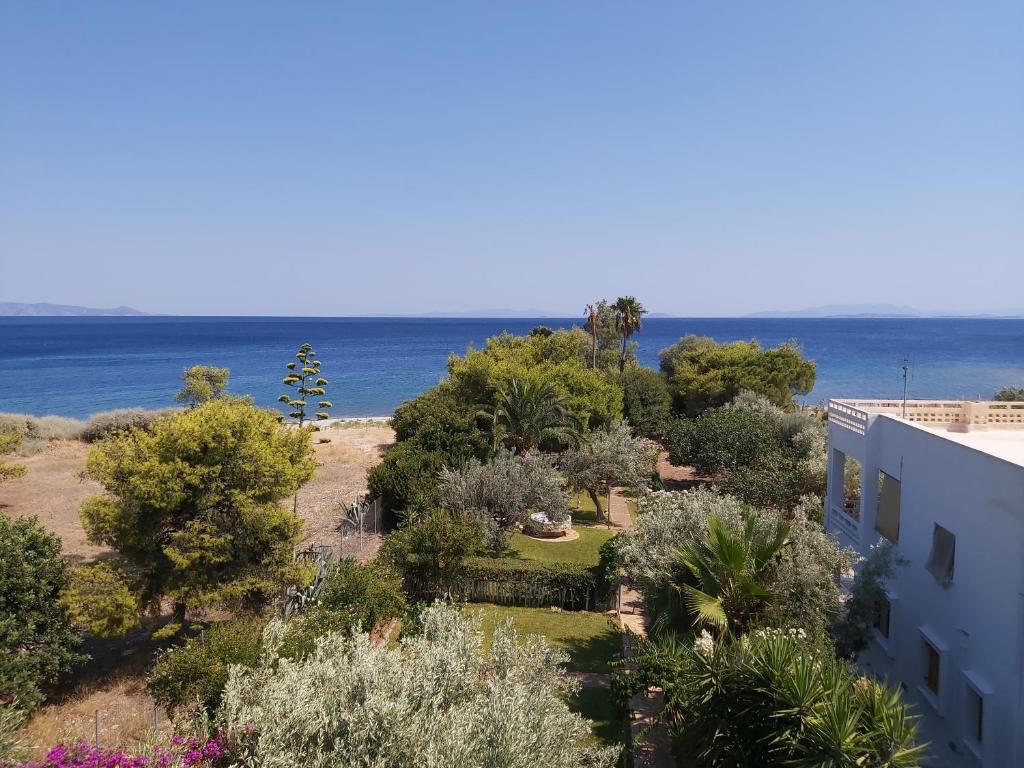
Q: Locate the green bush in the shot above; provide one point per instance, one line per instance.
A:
(194, 674)
(646, 401)
(406, 481)
(106, 423)
(37, 642)
(353, 596)
(430, 551)
(724, 438)
(531, 583)
(1009, 394)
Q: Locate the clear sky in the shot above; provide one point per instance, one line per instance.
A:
(376, 158)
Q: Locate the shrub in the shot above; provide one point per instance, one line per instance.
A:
(720, 439)
(353, 596)
(801, 580)
(42, 427)
(434, 700)
(646, 401)
(505, 489)
(431, 550)
(406, 481)
(187, 753)
(194, 674)
(37, 643)
(12, 746)
(772, 698)
(108, 423)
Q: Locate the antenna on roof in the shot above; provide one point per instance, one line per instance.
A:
(906, 374)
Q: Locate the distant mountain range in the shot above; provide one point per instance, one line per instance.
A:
(20, 309)
(892, 311)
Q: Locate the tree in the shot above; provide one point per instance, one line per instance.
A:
(37, 642)
(504, 491)
(726, 572)
(529, 412)
(99, 601)
(703, 374)
(722, 439)
(629, 319)
(9, 443)
(608, 458)
(773, 698)
(202, 383)
(306, 380)
(1009, 394)
(192, 504)
(646, 401)
(436, 699)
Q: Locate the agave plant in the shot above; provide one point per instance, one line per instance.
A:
(529, 412)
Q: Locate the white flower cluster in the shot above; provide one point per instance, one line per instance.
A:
(704, 643)
(793, 633)
(435, 700)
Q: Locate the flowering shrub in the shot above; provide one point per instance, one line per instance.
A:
(186, 753)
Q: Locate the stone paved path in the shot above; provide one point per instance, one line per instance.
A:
(655, 750)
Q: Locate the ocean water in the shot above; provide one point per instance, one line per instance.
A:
(77, 366)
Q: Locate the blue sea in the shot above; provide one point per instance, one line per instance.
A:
(77, 366)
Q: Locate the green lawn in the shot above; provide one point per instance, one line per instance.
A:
(609, 721)
(584, 550)
(592, 640)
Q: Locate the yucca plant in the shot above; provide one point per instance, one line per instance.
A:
(772, 698)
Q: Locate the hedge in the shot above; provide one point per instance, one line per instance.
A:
(529, 583)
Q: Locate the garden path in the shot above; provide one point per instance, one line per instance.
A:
(654, 751)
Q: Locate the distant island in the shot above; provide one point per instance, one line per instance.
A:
(21, 309)
(885, 311)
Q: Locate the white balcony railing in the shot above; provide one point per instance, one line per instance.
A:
(955, 415)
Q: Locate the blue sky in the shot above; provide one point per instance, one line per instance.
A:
(336, 158)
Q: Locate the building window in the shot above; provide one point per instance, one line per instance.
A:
(933, 665)
(943, 556)
(883, 612)
(887, 520)
(975, 716)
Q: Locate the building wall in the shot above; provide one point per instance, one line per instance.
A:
(977, 622)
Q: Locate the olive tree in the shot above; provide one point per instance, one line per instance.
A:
(607, 458)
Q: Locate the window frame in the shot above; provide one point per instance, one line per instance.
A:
(976, 720)
(930, 640)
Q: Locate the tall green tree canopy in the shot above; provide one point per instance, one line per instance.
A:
(559, 360)
(201, 383)
(703, 374)
(37, 642)
(1009, 394)
(192, 503)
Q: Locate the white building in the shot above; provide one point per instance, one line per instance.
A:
(945, 482)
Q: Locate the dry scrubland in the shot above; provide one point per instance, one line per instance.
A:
(54, 487)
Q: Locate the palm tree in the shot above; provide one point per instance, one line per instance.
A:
(629, 319)
(593, 314)
(528, 412)
(729, 569)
